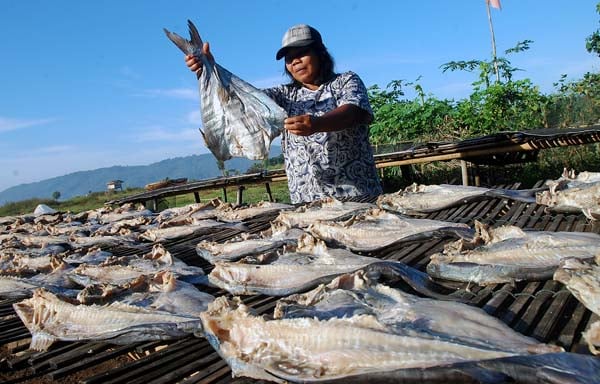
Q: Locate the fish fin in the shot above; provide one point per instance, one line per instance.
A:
(41, 341)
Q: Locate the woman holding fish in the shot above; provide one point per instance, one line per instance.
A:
(325, 142)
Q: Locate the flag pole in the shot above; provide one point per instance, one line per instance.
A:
(495, 61)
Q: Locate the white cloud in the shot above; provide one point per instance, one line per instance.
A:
(160, 134)
(8, 124)
(194, 118)
(178, 93)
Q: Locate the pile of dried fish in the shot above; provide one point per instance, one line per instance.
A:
(508, 254)
(421, 199)
(239, 120)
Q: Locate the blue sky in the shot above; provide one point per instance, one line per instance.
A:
(91, 84)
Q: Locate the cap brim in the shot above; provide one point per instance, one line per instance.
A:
(300, 43)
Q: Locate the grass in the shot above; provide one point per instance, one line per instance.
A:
(549, 165)
(252, 194)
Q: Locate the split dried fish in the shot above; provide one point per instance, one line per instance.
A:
(309, 349)
(376, 229)
(49, 318)
(239, 120)
(421, 199)
(508, 253)
(582, 279)
(328, 208)
(233, 214)
(246, 244)
(310, 264)
(200, 227)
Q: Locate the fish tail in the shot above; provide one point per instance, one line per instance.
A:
(196, 41)
(522, 195)
(180, 42)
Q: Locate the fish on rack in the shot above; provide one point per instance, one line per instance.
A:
(582, 279)
(375, 229)
(509, 253)
(420, 199)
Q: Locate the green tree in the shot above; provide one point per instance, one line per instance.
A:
(56, 195)
(592, 43)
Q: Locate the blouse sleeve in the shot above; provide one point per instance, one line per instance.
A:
(353, 91)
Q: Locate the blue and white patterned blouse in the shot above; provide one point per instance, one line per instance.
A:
(339, 163)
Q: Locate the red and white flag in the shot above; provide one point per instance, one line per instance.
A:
(495, 3)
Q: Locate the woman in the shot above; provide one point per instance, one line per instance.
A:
(325, 143)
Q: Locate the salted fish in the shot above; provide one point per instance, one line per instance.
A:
(376, 229)
(158, 259)
(582, 279)
(246, 244)
(310, 349)
(508, 254)
(188, 214)
(233, 214)
(177, 232)
(49, 318)
(573, 193)
(421, 199)
(239, 120)
(162, 291)
(405, 314)
(311, 263)
(328, 208)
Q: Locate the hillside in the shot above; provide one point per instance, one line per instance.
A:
(195, 167)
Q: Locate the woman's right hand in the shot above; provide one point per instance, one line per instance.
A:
(194, 63)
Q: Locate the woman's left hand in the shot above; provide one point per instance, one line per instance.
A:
(302, 125)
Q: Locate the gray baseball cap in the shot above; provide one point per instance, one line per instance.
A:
(299, 35)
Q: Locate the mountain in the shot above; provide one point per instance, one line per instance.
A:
(195, 167)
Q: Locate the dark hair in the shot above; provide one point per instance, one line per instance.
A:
(326, 66)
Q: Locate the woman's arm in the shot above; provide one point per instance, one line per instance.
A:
(340, 118)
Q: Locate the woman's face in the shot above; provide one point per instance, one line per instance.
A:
(303, 64)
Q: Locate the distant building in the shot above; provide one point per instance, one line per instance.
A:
(114, 185)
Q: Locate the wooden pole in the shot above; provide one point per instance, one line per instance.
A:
(495, 60)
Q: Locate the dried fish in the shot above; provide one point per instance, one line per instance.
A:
(49, 318)
(404, 314)
(274, 274)
(421, 199)
(328, 208)
(583, 280)
(376, 229)
(508, 253)
(246, 244)
(239, 120)
(310, 349)
(200, 227)
(232, 214)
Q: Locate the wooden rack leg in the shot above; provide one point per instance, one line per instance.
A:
(197, 196)
(465, 172)
(269, 192)
(224, 194)
(240, 199)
